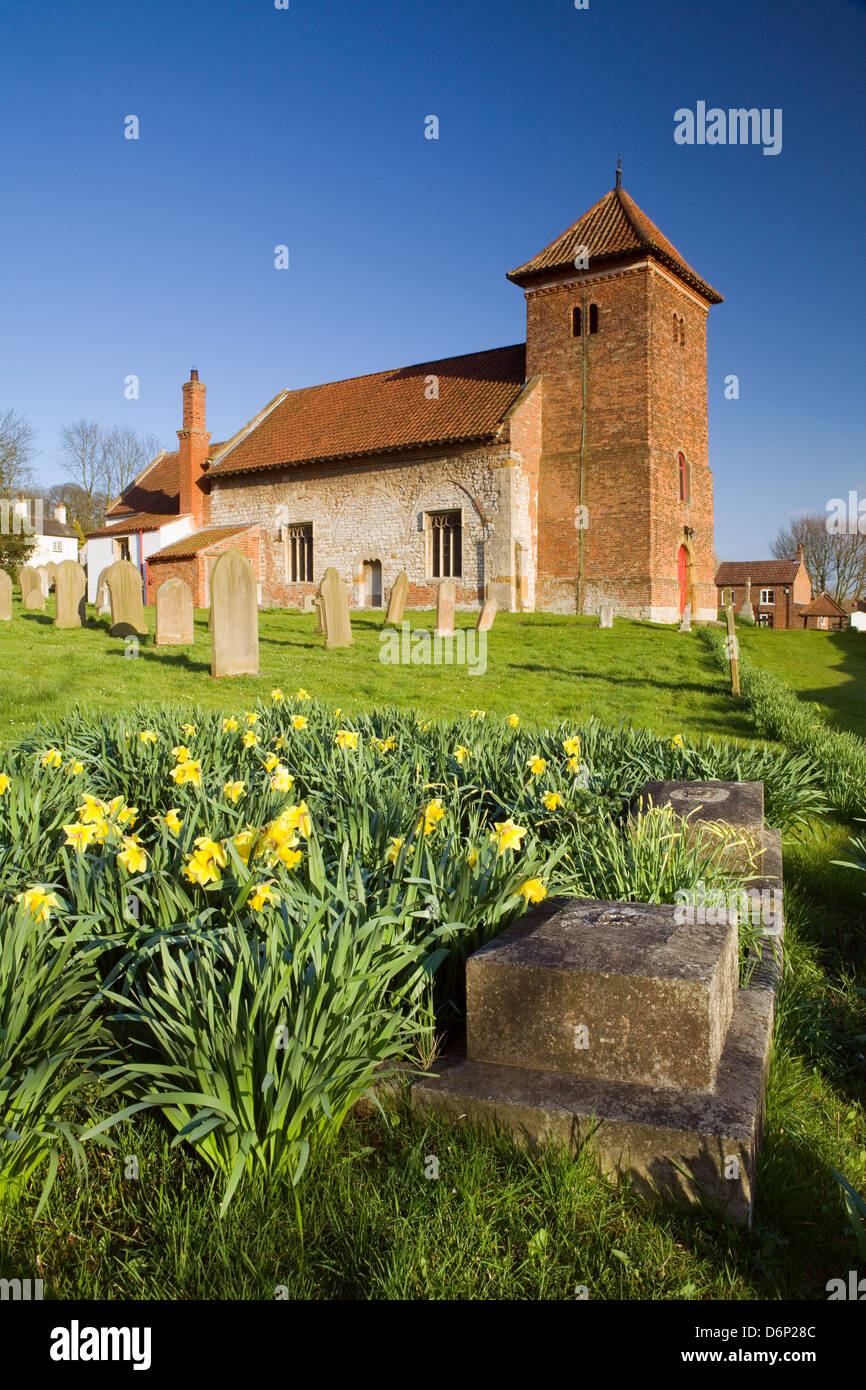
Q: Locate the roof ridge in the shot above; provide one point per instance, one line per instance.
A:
(406, 367)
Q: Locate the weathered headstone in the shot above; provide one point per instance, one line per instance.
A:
(71, 589)
(334, 608)
(446, 597)
(605, 615)
(34, 600)
(686, 624)
(5, 597)
(747, 612)
(174, 614)
(308, 603)
(126, 588)
(234, 617)
(320, 611)
(44, 579)
(103, 596)
(28, 578)
(52, 572)
(486, 616)
(397, 601)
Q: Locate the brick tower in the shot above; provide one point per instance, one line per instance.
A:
(616, 332)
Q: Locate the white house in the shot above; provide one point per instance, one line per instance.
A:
(54, 540)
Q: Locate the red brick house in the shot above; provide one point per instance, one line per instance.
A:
(824, 614)
(560, 473)
(780, 589)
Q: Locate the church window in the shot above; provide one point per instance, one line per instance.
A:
(299, 553)
(446, 545)
(576, 322)
(684, 480)
(593, 318)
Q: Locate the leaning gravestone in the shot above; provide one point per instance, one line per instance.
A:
(605, 615)
(234, 617)
(486, 616)
(174, 614)
(320, 611)
(397, 601)
(334, 610)
(5, 597)
(71, 588)
(127, 605)
(686, 624)
(446, 597)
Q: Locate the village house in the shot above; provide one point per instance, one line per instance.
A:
(824, 614)
(560, 474)
(780, 589)
(53, 538)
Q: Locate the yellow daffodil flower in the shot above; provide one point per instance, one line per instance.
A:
(461, 753)
(38, 903)
(186, 772)
(514, 720)
(202, 871)
(251, 719)
(430, 817)
(206, 848)
(573, 765)
(173, 821)
(346, 738)
(78, 836)
(677, 741)
(277, 695)
(302, 695)
(472, 858)
(537, 765)
(244, 843)
(263, 893)
(249, 740)
(147, 736)
(132, 856)
(230, 726)
(478, 714)
(189, 730)
(532, 891)
(507, 835)
(572, 747)
(271, 761)
(51, 758)
(234, 791)
(299, 722)
(395, 847)
(552, 800)
(282, 780)
(181, 754)
(5, 783)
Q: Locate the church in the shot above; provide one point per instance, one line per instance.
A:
(558, 474)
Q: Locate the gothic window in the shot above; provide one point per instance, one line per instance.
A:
(299, 553)
(684, 480)
(446, 545)
(593, 318)
(575, 322)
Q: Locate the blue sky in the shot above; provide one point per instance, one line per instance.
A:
(305, 127)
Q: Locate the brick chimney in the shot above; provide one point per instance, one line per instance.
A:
(193, 448)
(60, 513)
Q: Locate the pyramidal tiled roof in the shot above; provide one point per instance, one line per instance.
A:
(613, 227)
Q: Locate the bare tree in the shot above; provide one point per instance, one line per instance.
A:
(82, 455)
(16, 451)
(836, 563)
(125, 455)
(85, 511)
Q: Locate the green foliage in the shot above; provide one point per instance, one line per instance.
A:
(14, 550)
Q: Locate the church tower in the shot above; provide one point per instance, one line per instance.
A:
(616, 333)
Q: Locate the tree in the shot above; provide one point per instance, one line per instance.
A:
(125, 455)
(82, 455)
(14, 551)
(836, 563)
(84, 511)
(16, 451)
(101, 463)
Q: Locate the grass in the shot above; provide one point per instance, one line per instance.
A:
(826, 668)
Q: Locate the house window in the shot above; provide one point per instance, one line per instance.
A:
(768, 596)
(299, 553)
(446, 545)
(593, 318)
(684, 480)
(56, 546)
(576, 328)
(765, 620)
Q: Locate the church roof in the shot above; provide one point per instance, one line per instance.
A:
(385, 411)
(198, 541)
(613, 228)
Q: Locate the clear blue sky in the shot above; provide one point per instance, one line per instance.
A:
(306, 127)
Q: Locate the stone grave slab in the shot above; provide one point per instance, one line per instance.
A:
(71, 591)
(5, 597)
(397, 600)
(446, 598)
(175, 622)
(234, 626)
(486, 616)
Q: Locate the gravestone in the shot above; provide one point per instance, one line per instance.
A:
(446, 597)
(605, 615)
(44, 579)
(686, 624)
(103, 597)
(35, 600)
(397, 601)
(5, 597)
(52, 572)
(308, 603)
(28, 579)
(71, 588)
(334, 611)
(127, 605)
(747, 612)
(486, 616)
(234, 617)
(174, 614)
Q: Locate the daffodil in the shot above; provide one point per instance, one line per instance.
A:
(478, 714)
(230, 726)
(461, 753)
(5, 783)
(514, 720)
(78, 836)
(249, 740)
(384, 745)
(532, 890)
(677, 741)
(472, 858)
(338, 711)
(271, 761)
(552, 800)
(132, 856)
(181, 754)
(394, 849)
(277, 695)
(202, 871)
(189, 730)
(346, 738)
(302, 695)
(173, 821)
(281, 743)
(38, 903)
(536, 765)
(234, 791)
(572, 747)
(206, 848)
(147, 736)
(251, 719)
(288, 855)
(263, 893)
(430, 817)
(186, 772)
(573, 765)
(507, 835)
(244, 843)
(76, 768)
(282, 779)
(299, 722)
(52, 758)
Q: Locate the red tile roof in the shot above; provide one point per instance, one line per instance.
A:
(614, 227)
(824, 606)
(156, 491)
(385, 411)
(127, 523)
(759, 571)
(194, 544)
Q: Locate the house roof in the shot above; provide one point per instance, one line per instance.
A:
(384, 411)
(129, 522)
(822, 606)
(614, 227)
(199, 541)
(52, 527)
(155, 492)
(759, 571)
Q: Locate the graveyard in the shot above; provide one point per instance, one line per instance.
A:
(521, 1068)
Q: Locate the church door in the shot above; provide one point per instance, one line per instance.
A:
(372, 584)
(683, 577)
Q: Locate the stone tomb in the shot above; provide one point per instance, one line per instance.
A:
(234, 617)
(174, 614)
(334, 611)
(397, 601)
(486, 616)
(624, 1026)
(126, 589)
(446, 597)
(71, 590)
(5, 597)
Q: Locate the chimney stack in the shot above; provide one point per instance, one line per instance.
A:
(60, 513)
(193, 449)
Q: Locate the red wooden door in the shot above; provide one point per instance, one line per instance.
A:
(682, 570)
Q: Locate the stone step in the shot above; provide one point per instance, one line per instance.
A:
(621, 992)
(692, 1147)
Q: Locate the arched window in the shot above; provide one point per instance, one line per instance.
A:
(676, 330)
(683, 475)
(593, 318)
(682, 333)
(575, 322)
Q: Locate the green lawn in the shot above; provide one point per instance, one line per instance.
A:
(828, 668)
